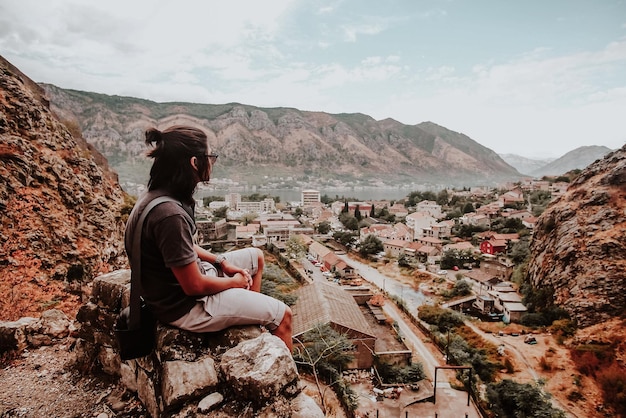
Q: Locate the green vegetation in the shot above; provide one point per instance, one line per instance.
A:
(415, 197)
(520, 251)
(323, 227)
(278, 284)
(446, 328)
(220, 213)
(391, 374)
(349, 221)
(540, 304)
(460, 288)
(510, 399)
(370, 245)
(443, 319)
(452, 258)
(346, 238)
(295, 247)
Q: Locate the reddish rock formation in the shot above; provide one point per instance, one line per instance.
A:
(60, 207)
(579, 246)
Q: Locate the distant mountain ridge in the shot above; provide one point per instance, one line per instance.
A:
(256, 142)
(578, 158)
(525, 165)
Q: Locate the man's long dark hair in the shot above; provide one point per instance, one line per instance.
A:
(172, 169)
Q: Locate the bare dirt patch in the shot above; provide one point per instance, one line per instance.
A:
(42, 383)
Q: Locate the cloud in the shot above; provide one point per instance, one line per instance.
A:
(352, 32)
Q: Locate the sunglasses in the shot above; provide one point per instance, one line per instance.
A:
(212, 157)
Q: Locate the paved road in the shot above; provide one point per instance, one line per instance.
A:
(411, 297)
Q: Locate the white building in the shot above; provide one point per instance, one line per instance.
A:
(310, 197)
(266, 205)
(431, 207)
(232, 199)
(418, 222)
(217, 204)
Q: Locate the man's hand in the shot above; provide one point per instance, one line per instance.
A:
(231, 270)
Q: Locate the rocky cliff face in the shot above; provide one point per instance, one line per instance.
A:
(579, 246)
(253, 142)
(60, 205)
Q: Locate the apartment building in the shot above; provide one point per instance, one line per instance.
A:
(310, 197)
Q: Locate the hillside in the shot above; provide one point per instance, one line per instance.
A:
(61, 220)
(525, 165)
(578, 158)
(254, 142)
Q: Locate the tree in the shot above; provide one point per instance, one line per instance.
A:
(442, 197)
(372, 212)
(512, 399)
(295, 247)
(349, 221)
(346, 208)
(323, 351)
(323, 227)
(248, 217)
(461, 288)
(520, 251)
(357, 213)
(371, 245)
(403, 261)
(220, 213)
(345, 238)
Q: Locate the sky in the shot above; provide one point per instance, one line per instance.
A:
(535, 78)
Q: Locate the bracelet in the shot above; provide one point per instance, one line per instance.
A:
(220, 259)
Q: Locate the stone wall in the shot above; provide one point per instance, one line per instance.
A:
(241, 372)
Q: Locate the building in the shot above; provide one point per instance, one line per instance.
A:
(318, 251)
(232, 199)
(399, 210)
(433, 242)
(485, 280)
(460, 246)
(496, 267)
(493, 246)
(211, 230)
(364, 208)
(266, 205)
(429, 207)
(395, 247)
(321, 303)
(418, 222)
(218, 204)
(508, 302)
(246, 231)
(310, 197)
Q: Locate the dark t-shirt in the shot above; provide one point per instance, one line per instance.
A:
(166, 242)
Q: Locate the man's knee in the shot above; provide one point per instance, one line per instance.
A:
(260, 255)
(286, 317)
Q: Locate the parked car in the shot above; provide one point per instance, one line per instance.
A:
(530, 339)
(442, 272)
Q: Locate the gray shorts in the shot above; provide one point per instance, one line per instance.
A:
(233, 306)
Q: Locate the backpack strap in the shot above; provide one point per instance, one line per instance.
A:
(136, 290)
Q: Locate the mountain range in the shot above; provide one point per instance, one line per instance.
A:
(259, 143)
(578, 158)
